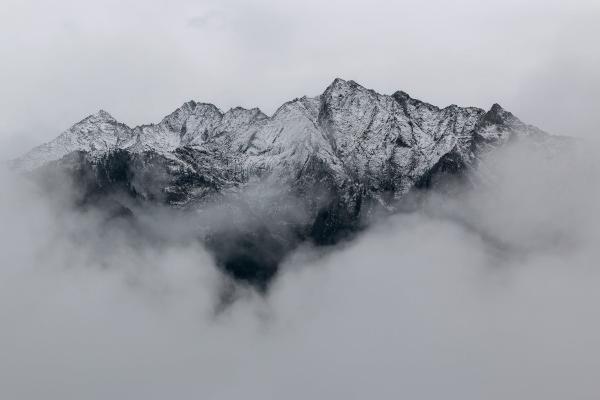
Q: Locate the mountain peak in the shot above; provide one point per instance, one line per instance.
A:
(338, 81)
(189, 104)
(497, 115)
(496, 108)
(104, 115)
(339, 85)
(100, 116)
(401, 95)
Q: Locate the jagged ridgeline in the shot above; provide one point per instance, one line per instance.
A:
(253, 187)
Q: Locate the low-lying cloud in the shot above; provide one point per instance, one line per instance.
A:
(488, 294)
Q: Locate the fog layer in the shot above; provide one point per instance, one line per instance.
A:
(489, 294)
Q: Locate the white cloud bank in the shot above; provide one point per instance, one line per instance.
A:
(491, 296)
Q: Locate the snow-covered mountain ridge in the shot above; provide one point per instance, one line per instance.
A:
(387, 143)
(315, 170)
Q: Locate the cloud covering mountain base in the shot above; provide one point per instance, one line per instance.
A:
(489, 293)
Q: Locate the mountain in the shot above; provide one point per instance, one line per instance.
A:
(313, 171)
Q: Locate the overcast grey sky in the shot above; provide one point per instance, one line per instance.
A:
(63, 60)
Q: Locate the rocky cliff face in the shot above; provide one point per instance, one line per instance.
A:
(340, 156)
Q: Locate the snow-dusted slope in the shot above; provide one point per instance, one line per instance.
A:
(95, 134)
(315, 170)
(357, 136)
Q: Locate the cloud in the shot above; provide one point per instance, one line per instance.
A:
(422, 305)
(206, 20)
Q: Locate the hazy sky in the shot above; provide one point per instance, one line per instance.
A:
(63, 60)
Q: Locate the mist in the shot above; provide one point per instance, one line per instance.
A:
(490, 292)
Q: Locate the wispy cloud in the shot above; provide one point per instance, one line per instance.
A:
(422, 306)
